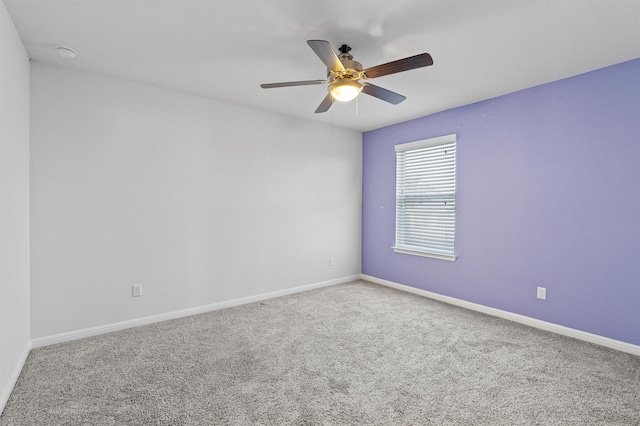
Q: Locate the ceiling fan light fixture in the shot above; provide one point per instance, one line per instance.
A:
(345, 90)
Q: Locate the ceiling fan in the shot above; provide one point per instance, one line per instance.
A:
(346, 78)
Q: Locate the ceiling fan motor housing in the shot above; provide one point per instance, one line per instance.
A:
(352, 70)
(351, 65)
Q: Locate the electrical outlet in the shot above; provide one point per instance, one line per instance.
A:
(331, 261)
(136, 290)
(542, 293)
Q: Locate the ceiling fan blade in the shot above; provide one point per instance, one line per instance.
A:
(325, 104)
(326, 53)
(292, 83)
(412, 62)
(384, 94)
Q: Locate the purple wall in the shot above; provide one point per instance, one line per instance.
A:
(548, 195)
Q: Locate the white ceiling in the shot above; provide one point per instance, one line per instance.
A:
(224, 49)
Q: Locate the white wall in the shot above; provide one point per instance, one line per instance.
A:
(14, 205)
(197, 200)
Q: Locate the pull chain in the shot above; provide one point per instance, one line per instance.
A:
(332, 122)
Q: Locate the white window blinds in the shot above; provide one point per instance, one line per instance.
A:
(426, 197)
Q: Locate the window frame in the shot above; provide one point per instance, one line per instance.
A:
(449, 197)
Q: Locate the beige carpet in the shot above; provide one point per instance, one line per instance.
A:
(356, 353)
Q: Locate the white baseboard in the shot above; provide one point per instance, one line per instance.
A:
(6, 392)
(94, 331)
(543, 325)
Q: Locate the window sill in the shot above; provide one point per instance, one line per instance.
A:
(449, 257)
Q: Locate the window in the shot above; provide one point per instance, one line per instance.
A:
(426, 197)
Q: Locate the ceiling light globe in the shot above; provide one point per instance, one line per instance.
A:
(345, 90)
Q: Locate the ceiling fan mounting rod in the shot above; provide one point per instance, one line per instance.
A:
(344, 53)
(344, 49)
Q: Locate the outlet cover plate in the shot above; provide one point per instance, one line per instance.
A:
(136, 290)
(542, 293)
